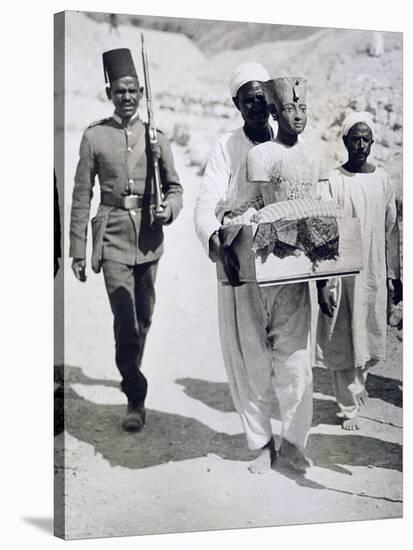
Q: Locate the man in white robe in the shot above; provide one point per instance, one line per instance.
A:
(242, 323)
(351, 334)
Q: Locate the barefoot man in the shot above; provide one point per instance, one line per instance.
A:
(241, 315)
(352, 328)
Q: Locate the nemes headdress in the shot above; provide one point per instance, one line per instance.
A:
(117, 64)
(288, 89)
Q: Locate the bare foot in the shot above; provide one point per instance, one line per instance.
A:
(351, 424)
(264, 460)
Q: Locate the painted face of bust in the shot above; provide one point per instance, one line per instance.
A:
(292, 118)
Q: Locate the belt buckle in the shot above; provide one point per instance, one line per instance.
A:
(130, 201)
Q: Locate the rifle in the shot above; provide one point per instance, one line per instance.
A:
(152, 132)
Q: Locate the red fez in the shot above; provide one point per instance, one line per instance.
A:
(117, 64)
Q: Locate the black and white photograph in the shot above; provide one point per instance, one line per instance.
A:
(231, 201)
(218, 355)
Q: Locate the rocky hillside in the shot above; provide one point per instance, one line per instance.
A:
(212, 36)
(191, 92)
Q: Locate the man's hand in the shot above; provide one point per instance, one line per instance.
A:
(231, 266)
(79, 269)
(326, 299)
(214, 247)
(217, 253)
(165, 215)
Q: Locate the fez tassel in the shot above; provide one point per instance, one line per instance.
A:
(152, 131)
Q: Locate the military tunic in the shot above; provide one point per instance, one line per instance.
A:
(126, 236)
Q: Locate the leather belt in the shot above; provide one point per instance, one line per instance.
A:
(127, 202)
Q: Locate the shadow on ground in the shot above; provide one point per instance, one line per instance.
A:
(378, 387)
(217, 396)
(171, 437)
(386, 389)
(330, 451)
(167, 437)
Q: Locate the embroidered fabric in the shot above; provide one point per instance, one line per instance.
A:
(292, 172)
(297, 209)
(317, 237)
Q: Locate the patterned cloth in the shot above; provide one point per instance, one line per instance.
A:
(318, 238)
(285, 172)
(297, 209)
(288, 226)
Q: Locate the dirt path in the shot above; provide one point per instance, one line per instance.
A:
(188, 469)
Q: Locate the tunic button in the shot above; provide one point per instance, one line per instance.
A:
(129, 150)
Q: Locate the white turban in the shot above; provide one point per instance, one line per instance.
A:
(247, 72)
(354, 118)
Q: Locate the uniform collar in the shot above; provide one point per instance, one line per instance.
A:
(131, 122)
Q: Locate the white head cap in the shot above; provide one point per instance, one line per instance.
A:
(247, 72)
(354, 118)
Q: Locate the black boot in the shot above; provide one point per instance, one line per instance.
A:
(134, 420)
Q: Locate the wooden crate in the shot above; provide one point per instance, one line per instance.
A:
(293, 269)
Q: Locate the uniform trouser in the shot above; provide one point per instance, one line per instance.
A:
(131, 291)
(265, 338)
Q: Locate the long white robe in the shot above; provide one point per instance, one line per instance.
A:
(246, 353)
(356, 335)
(264, 331)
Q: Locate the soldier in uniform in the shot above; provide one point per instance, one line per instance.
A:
(127, 232)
